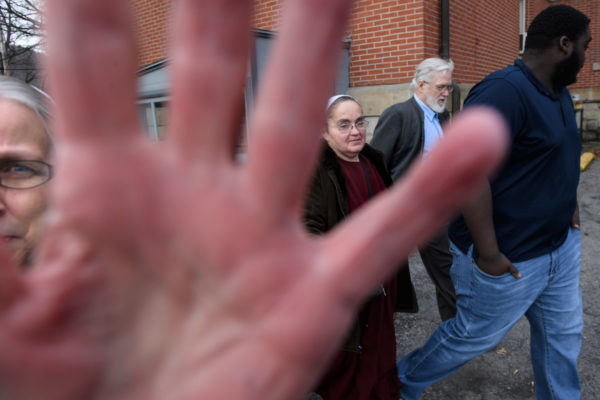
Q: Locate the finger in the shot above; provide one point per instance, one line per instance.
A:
(290, 109)
(514, 271)
(210, 50)
(366, 250)
(11, 282)
(575, 219)
(91, 60)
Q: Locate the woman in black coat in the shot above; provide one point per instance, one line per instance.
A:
(349, 174)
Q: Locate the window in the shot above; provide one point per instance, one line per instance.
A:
(153, 114)
(522, 25)
(154, 86)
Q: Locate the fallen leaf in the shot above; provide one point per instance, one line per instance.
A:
(501, 351)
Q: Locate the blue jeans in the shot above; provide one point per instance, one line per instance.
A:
(489, 306)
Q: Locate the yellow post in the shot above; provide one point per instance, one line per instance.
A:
(586, 159)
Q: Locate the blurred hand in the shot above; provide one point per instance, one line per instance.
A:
(168, 270)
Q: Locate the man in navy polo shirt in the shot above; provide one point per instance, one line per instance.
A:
(516, 247)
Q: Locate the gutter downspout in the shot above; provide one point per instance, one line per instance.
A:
(445, 51)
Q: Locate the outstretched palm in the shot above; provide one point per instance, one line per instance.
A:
(168, 269)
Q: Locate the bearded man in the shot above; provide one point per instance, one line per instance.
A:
(408, 131)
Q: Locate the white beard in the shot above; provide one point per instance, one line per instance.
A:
(433, 104)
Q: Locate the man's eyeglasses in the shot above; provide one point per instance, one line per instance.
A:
(347, 126)
(441, 88)
(24, 174)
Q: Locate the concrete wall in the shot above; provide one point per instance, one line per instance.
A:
(377, 98)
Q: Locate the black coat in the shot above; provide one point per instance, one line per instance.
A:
(327, 205)
(400, 135)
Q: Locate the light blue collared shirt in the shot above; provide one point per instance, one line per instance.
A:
(432, 127)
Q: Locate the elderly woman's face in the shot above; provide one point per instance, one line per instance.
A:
(342, 135)
(22, 137)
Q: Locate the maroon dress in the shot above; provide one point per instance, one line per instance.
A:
(370, 373)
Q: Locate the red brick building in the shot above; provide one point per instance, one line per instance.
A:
(388, 38)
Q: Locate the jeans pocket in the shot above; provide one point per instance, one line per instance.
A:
(485, 274)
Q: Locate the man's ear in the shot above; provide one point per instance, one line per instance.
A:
(420, 88)
(565, 45)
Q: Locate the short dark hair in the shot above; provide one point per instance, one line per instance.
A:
(554, 22)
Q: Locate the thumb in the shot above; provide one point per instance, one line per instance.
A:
(514, 271)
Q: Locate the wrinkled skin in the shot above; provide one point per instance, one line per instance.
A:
(22, 137)
(168, 271)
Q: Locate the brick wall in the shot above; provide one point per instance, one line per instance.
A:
(390, 37)
(266, 14)
(151, 18)
(484, 37)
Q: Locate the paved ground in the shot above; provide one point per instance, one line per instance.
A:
(506, 372)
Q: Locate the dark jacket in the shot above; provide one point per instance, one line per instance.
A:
(327, 205)
(400, 135)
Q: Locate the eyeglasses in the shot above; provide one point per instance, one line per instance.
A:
(441, 88)
(347, 126)
(24, 174)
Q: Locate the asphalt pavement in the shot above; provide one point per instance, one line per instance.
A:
(505, 373)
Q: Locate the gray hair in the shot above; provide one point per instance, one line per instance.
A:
(31, 97)
(428, 68)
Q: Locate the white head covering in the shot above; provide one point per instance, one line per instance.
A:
(337, 96)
